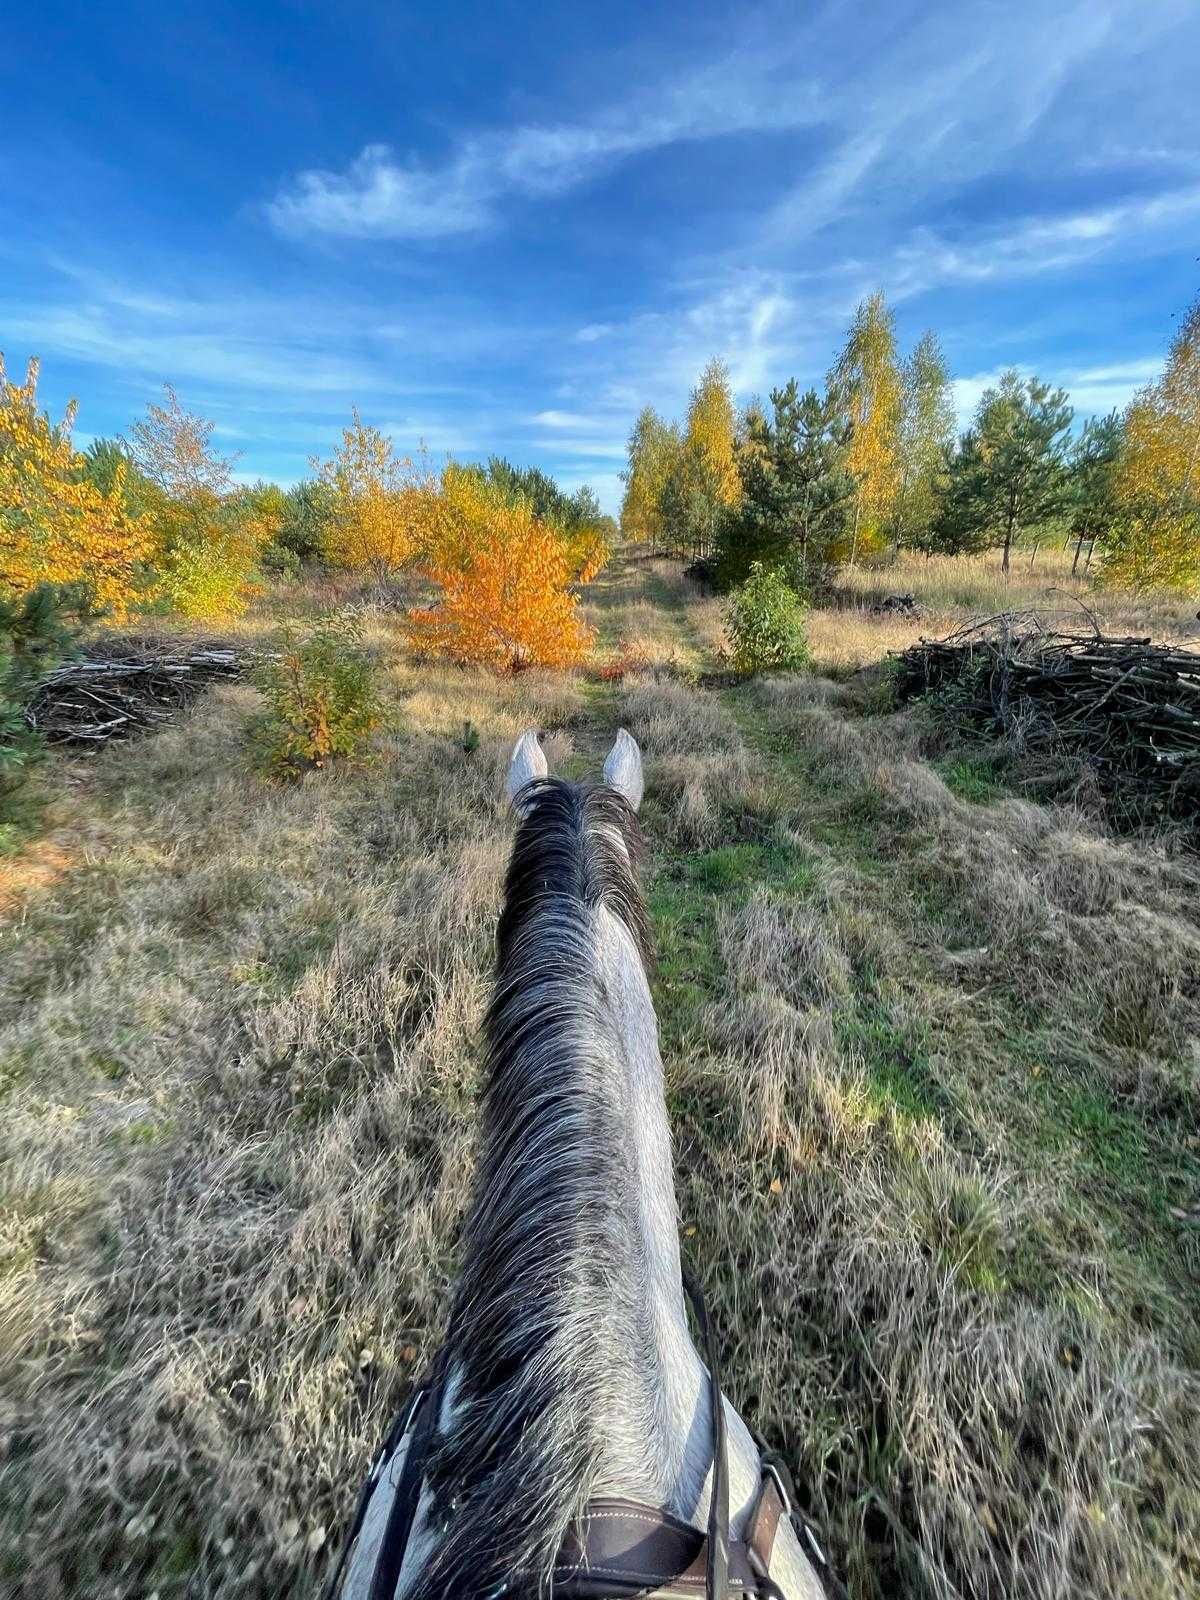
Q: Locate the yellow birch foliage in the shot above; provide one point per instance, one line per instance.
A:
(455, 520)
(1155, 539)
(379, 502)
(209, 537)
(457, 517)
(506, 599)
(654, 447)
(55, 525)
(587, 554)
(211, 550)
(709, 432)
(867, 380)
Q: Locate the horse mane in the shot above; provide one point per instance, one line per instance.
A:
(531, 1344)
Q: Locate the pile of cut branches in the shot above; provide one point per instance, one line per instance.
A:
(1125, 710)
(120, 687)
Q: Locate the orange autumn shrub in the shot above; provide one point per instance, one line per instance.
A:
(506, 600)
(56, 525)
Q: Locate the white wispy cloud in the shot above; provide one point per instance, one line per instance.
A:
(561, 419)
(389, 194)
(238, 358)
(381, 196)
(601, 448)
(1092, 390)
(1026, 247)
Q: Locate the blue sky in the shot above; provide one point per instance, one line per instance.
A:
(507, 227)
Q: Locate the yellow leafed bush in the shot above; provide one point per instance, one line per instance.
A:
(210, 559)
(1155, 540)
(377, 505)
(56, 526)
(208, 536)
(323, 701)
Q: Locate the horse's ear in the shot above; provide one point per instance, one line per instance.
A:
(528, 762)
(623, 769)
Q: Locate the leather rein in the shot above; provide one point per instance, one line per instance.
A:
(619, 1548)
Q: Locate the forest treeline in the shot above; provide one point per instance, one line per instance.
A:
(483, 562)
(155, 523)
(872, 463)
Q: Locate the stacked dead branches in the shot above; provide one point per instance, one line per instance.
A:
(1124, 710)
(121, 687)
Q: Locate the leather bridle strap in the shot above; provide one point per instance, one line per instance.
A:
(620, 1547)
(717, 1565)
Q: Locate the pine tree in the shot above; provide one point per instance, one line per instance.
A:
(797, 494)
(866, 383)
(924, 443)
(1009, 471)
(1093, 466)
(38, 629)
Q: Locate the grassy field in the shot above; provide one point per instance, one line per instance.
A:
(932, 1065)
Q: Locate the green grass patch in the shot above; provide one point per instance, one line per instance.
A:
(690, 969)
(733, 867)
(1114, 1143)
(971, 778)
(899, 1073)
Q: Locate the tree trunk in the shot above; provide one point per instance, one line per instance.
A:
(1078, 553)
(1037, 546)
(1009, 529)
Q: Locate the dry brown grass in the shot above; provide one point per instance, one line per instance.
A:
(847, 635)
(931, 1067)
(239, 1042)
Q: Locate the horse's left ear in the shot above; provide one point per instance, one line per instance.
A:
(623, 769)
(528, 762)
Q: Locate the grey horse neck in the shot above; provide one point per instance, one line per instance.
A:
(572, 1371)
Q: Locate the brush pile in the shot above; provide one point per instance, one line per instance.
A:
(121, 687)
(1124, 710)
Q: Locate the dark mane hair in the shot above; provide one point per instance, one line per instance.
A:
(531, 1335)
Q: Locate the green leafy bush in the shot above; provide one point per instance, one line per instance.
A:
(37, 631)
(323, 702)
(764, 622)
(307, 512)
(277, 561)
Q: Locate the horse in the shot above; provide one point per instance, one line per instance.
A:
(569, 1441)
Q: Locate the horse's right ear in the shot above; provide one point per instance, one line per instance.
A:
(623, 768)
(528, 762)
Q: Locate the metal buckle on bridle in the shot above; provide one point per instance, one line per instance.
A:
(795, 1516)
(770, 1470)
(806, 1527)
